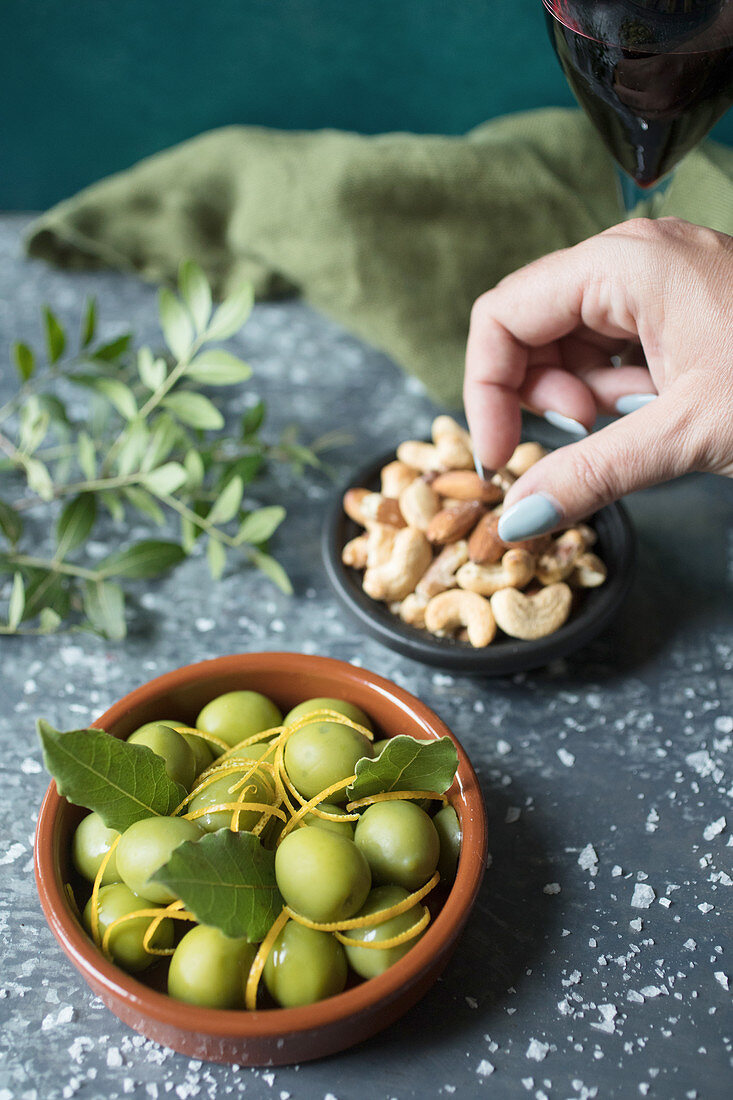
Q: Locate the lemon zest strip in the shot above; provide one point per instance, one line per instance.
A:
(180, 915)
(393, 941)
(258, 963)
(255, 739)
(95, 889)
(212, 774)
(212, 738)
(391, 796)
(371, 918)
(174, 907)
(229, 807)
(312, 807)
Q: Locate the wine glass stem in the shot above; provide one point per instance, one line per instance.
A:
(640, 202)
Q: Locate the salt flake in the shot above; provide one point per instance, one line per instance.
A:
(643, 896)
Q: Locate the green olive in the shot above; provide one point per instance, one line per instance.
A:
(368, 962)
(202, 752)
(400, 844)
(304, 966)
(238, 715)
(126, 941)
(210, 969)
(92, 840)
(323, 753)
(146, 846)
(343, 828)
(448, 828)
(218, 792)
(324, 702)
(178, 757)
(321, 875)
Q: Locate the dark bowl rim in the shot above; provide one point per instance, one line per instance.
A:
(269, 1023)
(505, 656)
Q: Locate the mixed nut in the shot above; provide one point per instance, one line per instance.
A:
(431, 549)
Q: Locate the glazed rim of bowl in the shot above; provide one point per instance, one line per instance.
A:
(504, 655)
(358, 684)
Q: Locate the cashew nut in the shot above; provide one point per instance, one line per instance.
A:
(442, 573)
(354, 553)
(525, 455)
(449, 611)
(396, 578)
(589, 572)
(466, 485)
(380, 543)
(420, 456)
(453, 443)
(395, 477)
(515, 569)
(531, 617)
(504, 478)
(590, 538)
(366, 508)
(418, 504)
(412, 610)
(558, 562)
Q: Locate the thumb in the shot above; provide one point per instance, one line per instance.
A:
(658, 442)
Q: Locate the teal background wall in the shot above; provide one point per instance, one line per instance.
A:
(87, 87)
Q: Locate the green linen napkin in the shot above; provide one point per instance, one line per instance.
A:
(394, 236)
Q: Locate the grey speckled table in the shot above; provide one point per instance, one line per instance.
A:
(602, 774)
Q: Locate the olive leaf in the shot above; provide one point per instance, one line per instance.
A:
(148, 558)
(25, 361)
(232, 313)
(55, 335)
(75, 524)
(166, 479)
(16, 605)
(175, 322)
(89, 322)
(258, 526)
(226, 879)
(11, 524)
(219, 368)
(406, 764)
(195, 410)
(227, 503)
(104, 607)
(123, 783)
(196, 293)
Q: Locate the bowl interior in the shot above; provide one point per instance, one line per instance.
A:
(505, 655)
(278, 1035)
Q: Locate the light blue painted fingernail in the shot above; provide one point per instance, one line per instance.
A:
(630, 402)
(565, 424)
(532, 516)
(483, 471)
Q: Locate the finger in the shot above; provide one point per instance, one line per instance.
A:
(532, 308)
(608, 386)
(651, 445)
(553, 392)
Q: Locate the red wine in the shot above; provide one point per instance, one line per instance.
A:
(652, 75)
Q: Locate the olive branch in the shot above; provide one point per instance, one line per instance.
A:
(148, 442)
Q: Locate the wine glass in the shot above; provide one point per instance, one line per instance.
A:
(652, 75)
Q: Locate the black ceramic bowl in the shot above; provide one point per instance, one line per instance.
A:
(505, 655)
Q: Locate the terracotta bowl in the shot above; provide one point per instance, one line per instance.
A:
(268, 1036)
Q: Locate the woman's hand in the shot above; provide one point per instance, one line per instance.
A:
(658, 293)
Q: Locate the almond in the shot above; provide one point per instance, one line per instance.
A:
(484, 545)
(454, 523)
(379, 509)
(466, 485)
